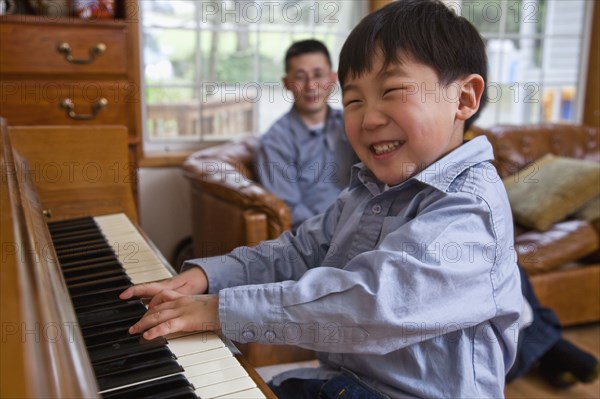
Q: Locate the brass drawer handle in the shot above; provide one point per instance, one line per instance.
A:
(69, 105)
(65, 49)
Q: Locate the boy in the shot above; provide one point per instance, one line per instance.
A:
(305, 157)
(407, 285)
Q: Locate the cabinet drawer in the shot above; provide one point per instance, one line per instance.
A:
(26, 49)
(39, 102)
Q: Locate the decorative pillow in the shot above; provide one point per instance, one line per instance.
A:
(590, 211)
(551, 188)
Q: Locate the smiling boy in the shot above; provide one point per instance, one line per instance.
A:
(407, 286)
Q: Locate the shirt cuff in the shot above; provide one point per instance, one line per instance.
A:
(219, 276)
(252, 313)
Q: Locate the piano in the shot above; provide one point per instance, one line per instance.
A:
(64, 330)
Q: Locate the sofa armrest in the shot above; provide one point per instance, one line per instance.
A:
(541, 252)
(224, 181)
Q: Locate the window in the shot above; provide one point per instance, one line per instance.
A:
(212, 69)
(537, 55)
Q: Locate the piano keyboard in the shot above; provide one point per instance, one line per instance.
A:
(99, 258)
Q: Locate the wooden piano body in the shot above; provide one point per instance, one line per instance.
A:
(76, 172)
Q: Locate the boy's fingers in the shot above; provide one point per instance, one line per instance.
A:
(153, 318)
(168, 327)
(163, 296)
(143, 290)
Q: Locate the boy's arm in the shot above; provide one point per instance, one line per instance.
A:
(286, 258)
(439, 273)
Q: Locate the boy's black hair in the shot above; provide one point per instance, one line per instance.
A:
(305, 47)
(426, 31)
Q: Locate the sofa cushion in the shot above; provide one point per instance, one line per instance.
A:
(550, 189)
(590, 211)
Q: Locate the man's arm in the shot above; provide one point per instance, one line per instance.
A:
(278, 170)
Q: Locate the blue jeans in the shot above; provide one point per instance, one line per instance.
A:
(338, 387)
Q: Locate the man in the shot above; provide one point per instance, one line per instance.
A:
(305, 158)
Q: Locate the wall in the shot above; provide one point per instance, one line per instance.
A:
(591, 115)
(164, 208)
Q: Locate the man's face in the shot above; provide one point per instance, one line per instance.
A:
(400, 118)
(311, 80)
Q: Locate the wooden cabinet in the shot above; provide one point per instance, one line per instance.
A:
(70, 71)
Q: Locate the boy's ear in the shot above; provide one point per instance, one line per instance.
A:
(471, 90)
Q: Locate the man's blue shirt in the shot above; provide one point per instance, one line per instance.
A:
(306, 168)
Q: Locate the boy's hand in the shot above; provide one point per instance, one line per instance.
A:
(190, 282)
(173, 312)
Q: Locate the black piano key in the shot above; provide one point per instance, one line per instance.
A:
(84, 246)
(122, 364)
(96, 286)
(90, 237)
(100, 259)
(112, 335)
(74, 233)
(140, 372)
(80, 278)
(122, 348)
(186, 392)
(85, 254)
(93, 331)
(175, 386)
(98, 298)
(67, 222)
(92, 268)
(118, 311)
(56, 228)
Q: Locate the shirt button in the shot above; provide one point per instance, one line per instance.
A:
(270, 335)
(248, 334)
(376, 209)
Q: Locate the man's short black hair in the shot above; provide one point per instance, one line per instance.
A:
(305, 47)
(425, 31)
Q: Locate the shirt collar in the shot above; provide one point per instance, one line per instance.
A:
(439, 174)
(299, 125)
(328, 130)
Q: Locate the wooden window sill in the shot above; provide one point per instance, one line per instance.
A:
(164, 159)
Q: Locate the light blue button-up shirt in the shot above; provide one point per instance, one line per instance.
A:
(413, 288)
(305, 168)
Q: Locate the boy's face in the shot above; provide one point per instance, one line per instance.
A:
(401, 119)
(311, 80)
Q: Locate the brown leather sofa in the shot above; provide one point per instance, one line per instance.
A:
(230, 209)
(565, 271)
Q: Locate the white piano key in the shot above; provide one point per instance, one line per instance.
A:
(204, 357)
(139, 278)
(223, 388)
(138, 383)
(252, 393)
(211, 367)
(217, 377)
(195, 343)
